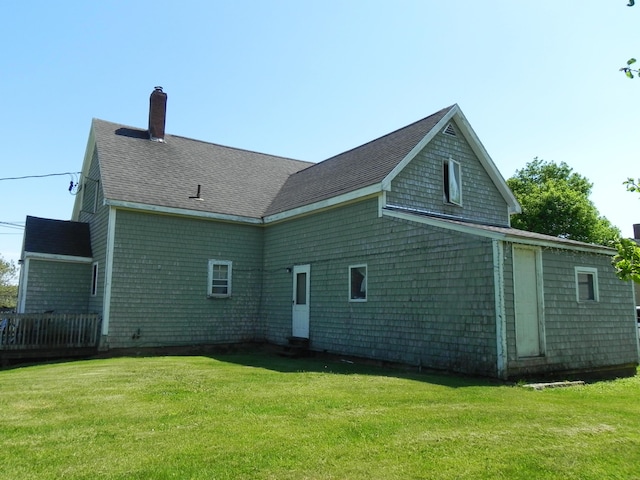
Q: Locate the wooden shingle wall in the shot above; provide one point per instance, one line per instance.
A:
(96, 214)
(159, 292)
(578, 335)
(420, 184)
(62, 287)
(430, 291)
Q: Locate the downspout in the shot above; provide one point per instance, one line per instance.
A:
(501, 319)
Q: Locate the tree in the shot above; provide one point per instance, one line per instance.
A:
(627, 261)
(8, 289)
(555, 201)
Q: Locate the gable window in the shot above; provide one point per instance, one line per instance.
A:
(452, 183)
(587, 284)
(358, 283)
(219, 284)
(94, 279)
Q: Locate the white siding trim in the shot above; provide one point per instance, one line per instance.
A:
(108, 270)
(359, 194)
(501, 316)
(479, 232)
(57, 258)
(22, 288)
(181, 211)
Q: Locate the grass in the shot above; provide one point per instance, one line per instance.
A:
(264, 417)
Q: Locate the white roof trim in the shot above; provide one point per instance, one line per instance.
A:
(456, 115)
(386, 182)
(480, 232)
(476, 145)
(181, 211)
(57, 258)
(361, 193)
(86, 165)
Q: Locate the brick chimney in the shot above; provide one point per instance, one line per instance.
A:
(157, 114)
(636, 231)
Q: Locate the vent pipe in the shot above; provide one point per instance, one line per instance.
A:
(157, 114)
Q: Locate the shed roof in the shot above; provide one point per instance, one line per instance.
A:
(57, 237)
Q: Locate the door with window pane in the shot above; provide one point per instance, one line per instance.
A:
(300, 309)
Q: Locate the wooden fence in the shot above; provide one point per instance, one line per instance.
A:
(48, 331)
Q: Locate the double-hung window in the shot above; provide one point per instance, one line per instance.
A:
(452, 183)
(587, 284)
(219, 283)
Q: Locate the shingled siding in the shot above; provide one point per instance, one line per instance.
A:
(420, 184)
(62, 287)
(430, 291)
(159, 291)
(578, 336)
(97, 215)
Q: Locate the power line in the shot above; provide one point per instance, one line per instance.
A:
(41, 176)
(11, 225)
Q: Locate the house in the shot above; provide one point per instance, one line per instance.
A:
(399, 250)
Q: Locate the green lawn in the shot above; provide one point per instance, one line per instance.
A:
(265, 417)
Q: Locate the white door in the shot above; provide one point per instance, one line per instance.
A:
(527, 302)
(300, 311)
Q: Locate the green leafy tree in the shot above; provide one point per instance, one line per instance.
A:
(632, 185)
(8, 288)
(555, 201)
(627, 261)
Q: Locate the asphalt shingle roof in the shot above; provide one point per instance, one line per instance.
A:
(233, 181)
(57, 237)
(357, 168)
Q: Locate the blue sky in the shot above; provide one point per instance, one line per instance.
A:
(310, 79)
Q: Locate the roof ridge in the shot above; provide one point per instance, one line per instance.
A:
(391, 133)
(208, 143)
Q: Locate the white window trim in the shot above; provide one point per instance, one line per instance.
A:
(453, 165)
(596, 289)
(366, 278)
(95, 275)
(212, 263)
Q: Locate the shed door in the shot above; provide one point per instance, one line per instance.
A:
(300, 310)
(527, 299)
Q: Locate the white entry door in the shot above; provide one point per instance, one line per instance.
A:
(527, 299)
(300, 311)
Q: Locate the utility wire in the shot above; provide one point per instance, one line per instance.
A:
(11, 225)
(41, 176)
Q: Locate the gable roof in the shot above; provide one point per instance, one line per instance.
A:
(234, 182)
(57, 237)
(360, 167)
(248, 186)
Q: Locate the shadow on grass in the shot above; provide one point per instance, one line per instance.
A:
(342, 365)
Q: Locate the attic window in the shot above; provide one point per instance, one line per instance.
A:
(452, 184)
(449, 130)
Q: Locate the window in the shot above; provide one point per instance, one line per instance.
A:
(358, 283)
(94, 280)
(587, 284)
(219, 285)
(452, 183)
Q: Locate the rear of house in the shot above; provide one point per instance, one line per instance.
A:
(398, 250)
